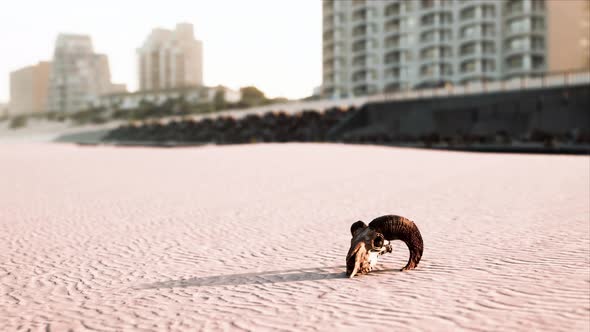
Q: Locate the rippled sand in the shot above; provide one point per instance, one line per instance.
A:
(254, 237)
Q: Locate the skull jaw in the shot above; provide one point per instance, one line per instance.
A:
(365, 261)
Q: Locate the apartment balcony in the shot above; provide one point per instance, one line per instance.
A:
(470, 3)
(436, 60)
(510, 32)
(524, 50)
(520, 10)
(477, 36)
(477, 55)
(433, 42)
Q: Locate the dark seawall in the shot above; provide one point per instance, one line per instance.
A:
(540, 115)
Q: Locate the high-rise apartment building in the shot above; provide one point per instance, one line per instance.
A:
(78, 74)
(387, 45)
(170, 59)
(28, 88)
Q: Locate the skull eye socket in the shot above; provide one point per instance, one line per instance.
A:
(378, 242)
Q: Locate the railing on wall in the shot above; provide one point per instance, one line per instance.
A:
(515, 84)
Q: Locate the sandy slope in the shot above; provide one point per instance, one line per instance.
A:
(255, 236)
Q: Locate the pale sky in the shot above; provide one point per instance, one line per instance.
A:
(272, 44)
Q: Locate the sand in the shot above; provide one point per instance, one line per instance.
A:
(254, 237)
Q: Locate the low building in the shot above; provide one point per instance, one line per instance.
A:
(191, 94)
(28, 88)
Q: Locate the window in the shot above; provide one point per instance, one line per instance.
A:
(516, 44)
(392, 57)
(429, 53)
(406, 40)
(488, 66)
(468, 49)
(445, 35)
(427, 70)
(468, 13)
(488, 47)
(425, 4)
(539, 5)
(538, 62)
(359, 15)
(446, 18)
(359, 30)
(517, 25)
(427, 19)
(468, 31)
(514, 62)
(488, 11)
(393, 9)
(488, 30)
(359, 45)
(445, 52)
(538, 24)
(392, 26)
(468, 66)
(393, 72)
(446, 69)
(427, 36)
(392, 41)
(514, 6)
(359, 75)
(359, 60)
(538, 43)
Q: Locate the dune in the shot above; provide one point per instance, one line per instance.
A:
(254, 237)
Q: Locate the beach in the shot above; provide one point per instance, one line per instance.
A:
(254, 237)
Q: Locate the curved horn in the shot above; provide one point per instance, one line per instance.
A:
(356, 226)
(399, 228)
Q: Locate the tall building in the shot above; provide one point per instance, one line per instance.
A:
(379, 46)
(78, 74)
(28, 88)
(170, 59)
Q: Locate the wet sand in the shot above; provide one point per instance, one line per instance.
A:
(254, 237)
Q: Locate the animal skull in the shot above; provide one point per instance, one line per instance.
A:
(365, 248)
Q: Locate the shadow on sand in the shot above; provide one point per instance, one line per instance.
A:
(265, 277)
(279, 276)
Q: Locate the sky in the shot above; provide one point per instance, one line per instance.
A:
(274, 45)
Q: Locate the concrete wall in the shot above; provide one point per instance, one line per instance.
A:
(552, 110)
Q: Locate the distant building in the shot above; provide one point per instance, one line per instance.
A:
(28, 88)
(170, 59)
(118, 88)
(379, 46)
(4, 109)
(78, 74)
(191, 94)
(568, 39)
